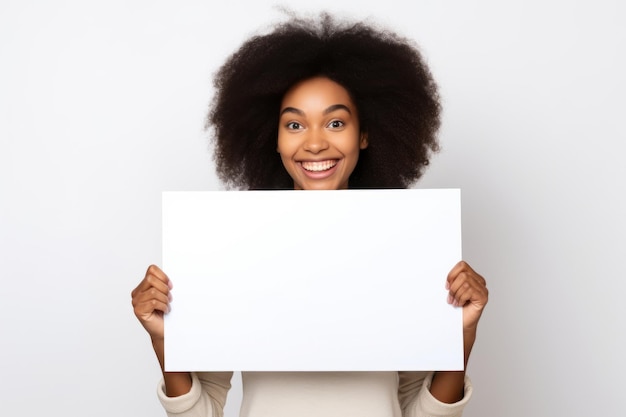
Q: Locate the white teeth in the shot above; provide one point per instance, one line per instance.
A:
(318, 165)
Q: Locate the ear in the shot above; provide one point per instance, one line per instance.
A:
(363, 141)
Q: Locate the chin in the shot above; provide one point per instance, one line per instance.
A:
(322, 186)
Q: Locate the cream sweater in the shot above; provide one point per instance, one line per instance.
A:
(315, 394)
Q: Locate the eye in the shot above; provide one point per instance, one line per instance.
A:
(294, 126)
(336, 124)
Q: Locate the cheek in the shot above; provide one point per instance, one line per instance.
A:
(287, 147)
(352, 144)
(285, 152)
(282, 146)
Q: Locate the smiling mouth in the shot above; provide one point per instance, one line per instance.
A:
(319, 166)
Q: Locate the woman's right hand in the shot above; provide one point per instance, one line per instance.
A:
(151, 299)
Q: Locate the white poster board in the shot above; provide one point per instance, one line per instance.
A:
(348, 280)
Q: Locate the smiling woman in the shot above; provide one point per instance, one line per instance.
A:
(321, 105)
(389, 87)
(319, 138)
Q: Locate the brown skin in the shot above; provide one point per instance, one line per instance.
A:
(319, 125)
(151, 299)
(309, 132)
(468, 289)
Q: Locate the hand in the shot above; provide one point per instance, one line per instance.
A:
(151, 299)
(467, 289)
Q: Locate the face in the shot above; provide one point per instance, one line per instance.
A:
(318, 135)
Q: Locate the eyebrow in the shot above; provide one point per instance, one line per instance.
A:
(328, 110)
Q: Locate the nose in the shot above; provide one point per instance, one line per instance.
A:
(315, 141)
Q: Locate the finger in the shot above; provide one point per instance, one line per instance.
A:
(470, 291)
(153, 276)
(150, 283)
(460, 267)
(464, 295)
(157, 284)
(147, 308)
(459, 287)
(461, 278)
(155, 270)
(151, 294)
(463, 268)
(464, 281)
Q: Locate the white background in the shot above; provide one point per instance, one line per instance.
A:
(102, 107)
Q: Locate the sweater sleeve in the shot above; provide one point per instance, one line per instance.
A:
(205, 399)
(417, 401)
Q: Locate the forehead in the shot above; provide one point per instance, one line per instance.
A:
(316, 92)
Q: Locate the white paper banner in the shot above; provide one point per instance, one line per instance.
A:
(349, 280)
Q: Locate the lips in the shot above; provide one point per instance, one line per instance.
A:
(319, 166)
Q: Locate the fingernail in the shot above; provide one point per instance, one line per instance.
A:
(169, 284)
(447, 285)
(169, 296)
(449, 299)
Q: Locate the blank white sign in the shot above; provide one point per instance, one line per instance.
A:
(348, 280)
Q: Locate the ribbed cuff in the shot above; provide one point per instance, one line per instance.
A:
(435, 408)
(182, 403)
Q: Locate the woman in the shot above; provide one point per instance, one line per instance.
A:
(321, 104)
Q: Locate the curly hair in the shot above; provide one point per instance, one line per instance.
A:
(392, 87)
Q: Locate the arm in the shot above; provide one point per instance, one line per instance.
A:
(468, 290)
(445, 394)
(151, 300)
(416, 399)
(206, 397)
(176, 383)
(180, 393)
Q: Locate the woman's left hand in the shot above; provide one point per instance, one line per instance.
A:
(467, 289)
